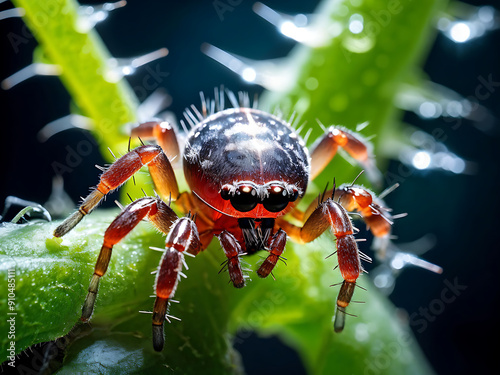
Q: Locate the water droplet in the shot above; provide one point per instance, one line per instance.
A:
(302, 104)
(361, 333)
(311, 83)
(397, 263)
(486, 14)
(335, 29)
(421, 160)
(358, 44)
(460, 32)
(429, 110)
(356, 23)
(383, 280)
(454, 108)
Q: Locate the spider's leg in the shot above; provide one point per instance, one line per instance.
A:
(232, 249)
(379, 220)
(325, 148)
(330, 214)
(120, 171)
(160, 215)
(163, 133)
(355, 198)
(183, 236)
(276, 248)
(372, 209)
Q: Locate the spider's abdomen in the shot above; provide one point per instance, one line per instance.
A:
(243, 144)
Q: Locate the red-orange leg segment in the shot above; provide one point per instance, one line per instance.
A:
(374, 214)
(120, 171)
(356, 198)
(232, 250)
(183, 236)
(276, 248)
(330, 214)
(160, 215)
(325, 148)
(163, 133)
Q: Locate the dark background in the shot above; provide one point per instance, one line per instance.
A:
(460, 210)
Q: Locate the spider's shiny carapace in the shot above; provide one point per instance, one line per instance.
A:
(246, 163)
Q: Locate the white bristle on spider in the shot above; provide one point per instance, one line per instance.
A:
(119, 205)
(157, 249)
(167, 317)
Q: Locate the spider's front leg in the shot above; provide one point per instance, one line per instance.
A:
(183, 236)
(161, 215)
(330, 214)
(161, 132)
(326, 147)
(372, 209)
(120, 171)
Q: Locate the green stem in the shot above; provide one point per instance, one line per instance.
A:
(84, 62)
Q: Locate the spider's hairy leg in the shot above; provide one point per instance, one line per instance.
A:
(330, 214)
(163, 133)
(276, 249)
(345, 294)
(379, 219)
(325, 148)
(160, 215)
(183, 236)
(120, 171)
(232, 249)
(372, 210)
(376, 216)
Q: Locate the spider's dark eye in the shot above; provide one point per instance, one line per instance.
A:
(277, 200)
(244, 199)
(225, 193)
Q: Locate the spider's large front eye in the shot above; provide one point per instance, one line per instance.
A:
(277, 200)
(225, 192)
(244, 199)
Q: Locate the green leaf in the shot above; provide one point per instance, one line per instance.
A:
(52, 277)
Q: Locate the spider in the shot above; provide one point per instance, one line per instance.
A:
(246, 169)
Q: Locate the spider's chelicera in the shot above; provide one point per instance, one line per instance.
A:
(246, 170)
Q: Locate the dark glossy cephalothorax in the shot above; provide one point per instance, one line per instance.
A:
(246, 171)
(246, 163)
